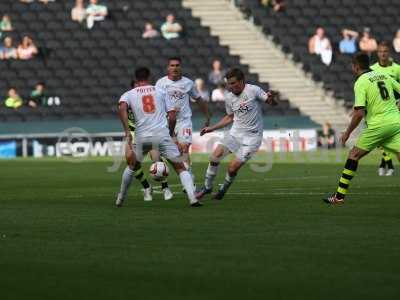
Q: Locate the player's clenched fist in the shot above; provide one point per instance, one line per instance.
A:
(272, 97)
(205, 130)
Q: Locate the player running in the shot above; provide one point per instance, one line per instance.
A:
(148, 108)
(243, 109)
(374, 101)
(178, 90)
(387, 66)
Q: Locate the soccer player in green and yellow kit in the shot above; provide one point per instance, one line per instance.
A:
(387, 66)
(374, 101)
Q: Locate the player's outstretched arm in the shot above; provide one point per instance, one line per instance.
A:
(204, 109)
(123, 116)
(357, 116)
(225, 121)
(272, 98)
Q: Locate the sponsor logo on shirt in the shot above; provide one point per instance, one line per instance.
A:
(244, 107)
(176, 93)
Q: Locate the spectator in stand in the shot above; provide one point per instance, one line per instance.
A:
(202, 90)
(219, 94)
(95, 13)
(171, 29)
(78, 12)
(38, 96)
(217, 74)
(367, 43)
(348, 45)
(27, 49)
(13, 100)
(326, 136)
(276, 5)
(396, 41)
(320, 45)
(8, 51)
(149, 31)
(5, 24)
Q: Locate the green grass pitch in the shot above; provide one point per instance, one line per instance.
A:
(271, 237)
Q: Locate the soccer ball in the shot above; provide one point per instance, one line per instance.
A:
(159, 170)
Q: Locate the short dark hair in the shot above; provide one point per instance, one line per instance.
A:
(362, 60)
(385, 44)
(41, 83)
(142, 74)
(235, 72)
(175, 58)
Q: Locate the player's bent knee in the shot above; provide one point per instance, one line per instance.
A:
(234, 167)
(184, 148)
(218, 154)
(130, 160)
(357, 154)
(179, 167)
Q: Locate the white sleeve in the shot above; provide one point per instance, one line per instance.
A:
(124, 98)
(260, 94)
(193, 93)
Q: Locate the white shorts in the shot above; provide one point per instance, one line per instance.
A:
(244, 147)
(164, 145)
(183, 131)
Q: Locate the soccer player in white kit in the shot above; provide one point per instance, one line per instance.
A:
(243, 109)
(152, 132)
(178, 91)
(154, 155)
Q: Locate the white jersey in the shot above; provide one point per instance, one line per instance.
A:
(247, 110)
(177, 95)
(148, 108)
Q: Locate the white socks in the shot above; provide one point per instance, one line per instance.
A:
(187, 182)
(211, 172)
(127, 177)
(188, 167)
(228, 181)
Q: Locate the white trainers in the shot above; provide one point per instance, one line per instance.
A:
(381, 171)
(148, 194)
(390, 172)
(167, 194)
(119, 200)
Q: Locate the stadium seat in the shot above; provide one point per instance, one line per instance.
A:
(94, 67)
(293, 27)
